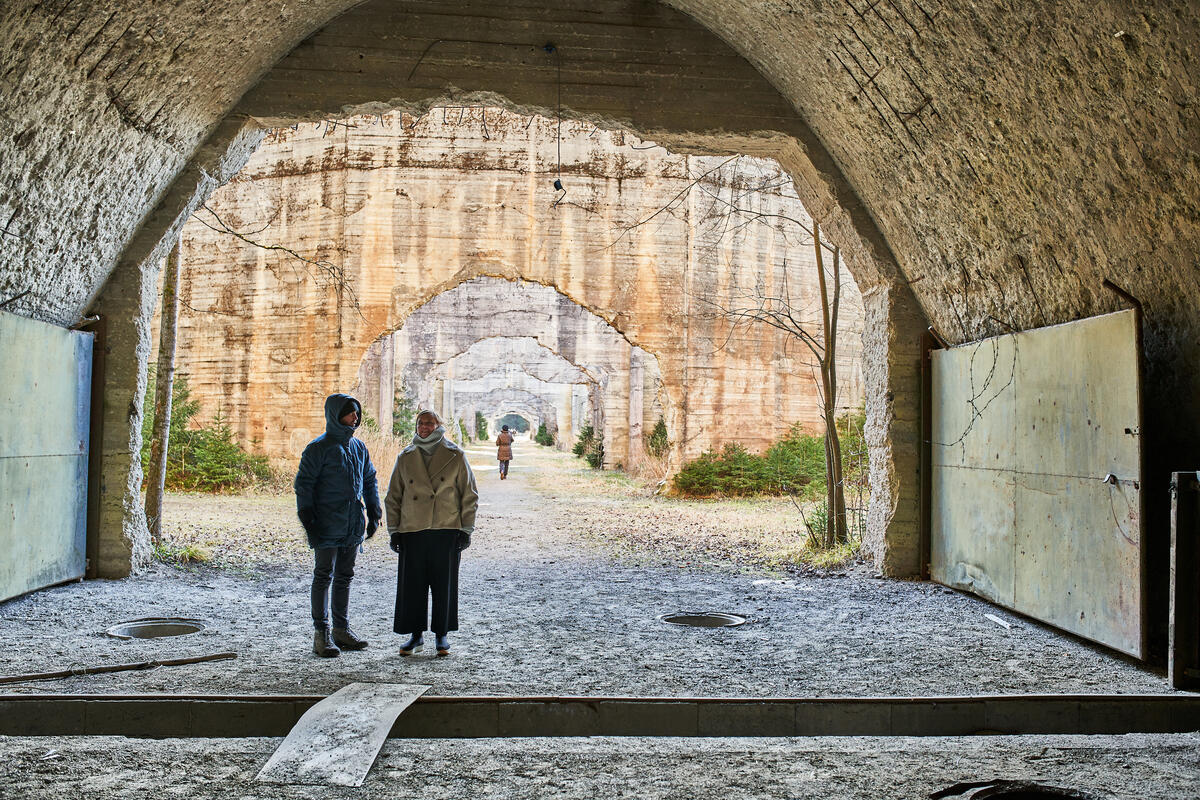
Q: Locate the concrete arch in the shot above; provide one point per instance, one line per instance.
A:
(507, 361)
(203, 141)
(566, 400)
(994, 147)
(525, 352)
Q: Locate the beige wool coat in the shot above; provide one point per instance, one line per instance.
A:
(438, 498)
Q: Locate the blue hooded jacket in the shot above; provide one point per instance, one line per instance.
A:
(336, 482)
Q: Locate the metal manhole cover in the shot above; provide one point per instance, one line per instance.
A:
(155, 628)
(704, 619)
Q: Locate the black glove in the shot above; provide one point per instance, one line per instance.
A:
(372, 526)
(397, 543)
(464, 540)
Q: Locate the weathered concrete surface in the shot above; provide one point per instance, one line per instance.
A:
(859, 768)
(337, 741)
(653, 244)
(1002, 161)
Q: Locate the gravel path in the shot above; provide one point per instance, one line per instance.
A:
(561, 595)
(1125, 767)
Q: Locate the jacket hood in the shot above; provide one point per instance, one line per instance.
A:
(333, 412)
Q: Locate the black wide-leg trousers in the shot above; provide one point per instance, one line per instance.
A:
(428, 565)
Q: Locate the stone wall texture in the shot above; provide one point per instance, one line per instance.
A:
(983, 164)
(389, 221)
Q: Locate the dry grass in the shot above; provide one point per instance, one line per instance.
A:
(623, 514)
(384, 448)
(649, 470)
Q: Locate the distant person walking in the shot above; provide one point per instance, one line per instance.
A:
(431, 502)
(504, 451)
(334, 486)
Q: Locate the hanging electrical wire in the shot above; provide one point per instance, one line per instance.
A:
(558, 184)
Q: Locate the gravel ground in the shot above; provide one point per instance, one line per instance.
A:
(1133, 767)
(561, 595)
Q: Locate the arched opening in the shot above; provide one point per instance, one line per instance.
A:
(738, 113)
(442, 353)
(984, 166)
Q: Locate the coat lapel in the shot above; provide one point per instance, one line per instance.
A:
(415, 465)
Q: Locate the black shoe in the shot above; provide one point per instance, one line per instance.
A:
(323, 644)
(413, 645)
(443, 644)
(348, 640)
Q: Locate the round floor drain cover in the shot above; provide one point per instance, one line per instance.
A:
(1029, 792)
(1008, 790)
(704, 619)
(155, 628)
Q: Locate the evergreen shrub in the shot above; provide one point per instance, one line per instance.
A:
(207, 458)
(658, 443)
(590, 447)
(794, 464)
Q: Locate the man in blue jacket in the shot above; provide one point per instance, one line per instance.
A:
(334, 485)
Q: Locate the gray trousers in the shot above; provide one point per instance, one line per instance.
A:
(334, 564)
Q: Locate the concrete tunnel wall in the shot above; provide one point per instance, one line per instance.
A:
(983, 165)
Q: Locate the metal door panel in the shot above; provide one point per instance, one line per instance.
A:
(1036, 475)
(45, 387)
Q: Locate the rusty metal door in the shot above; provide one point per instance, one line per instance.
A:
(1036, 476)
(45, 392)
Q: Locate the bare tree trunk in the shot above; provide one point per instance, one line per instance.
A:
(165, 380)
(835, 495)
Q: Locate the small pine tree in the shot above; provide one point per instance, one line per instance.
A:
(404, 413)
(584, 442)
(481, 426)
(590, 447)
(543, 436)
(207, 458)
(658, 444)
(595, 457)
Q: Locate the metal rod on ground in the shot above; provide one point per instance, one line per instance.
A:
(69, 673)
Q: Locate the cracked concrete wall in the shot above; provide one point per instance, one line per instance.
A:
(999, 158)
(391, 210)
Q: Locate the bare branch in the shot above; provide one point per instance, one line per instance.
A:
(334, 274)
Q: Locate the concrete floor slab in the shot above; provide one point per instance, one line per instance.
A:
(1164, 767)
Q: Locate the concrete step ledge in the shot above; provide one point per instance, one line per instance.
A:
(213, 716)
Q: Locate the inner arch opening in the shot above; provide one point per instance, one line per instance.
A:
(457, 351)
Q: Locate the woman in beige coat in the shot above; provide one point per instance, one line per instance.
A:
(431, 502)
